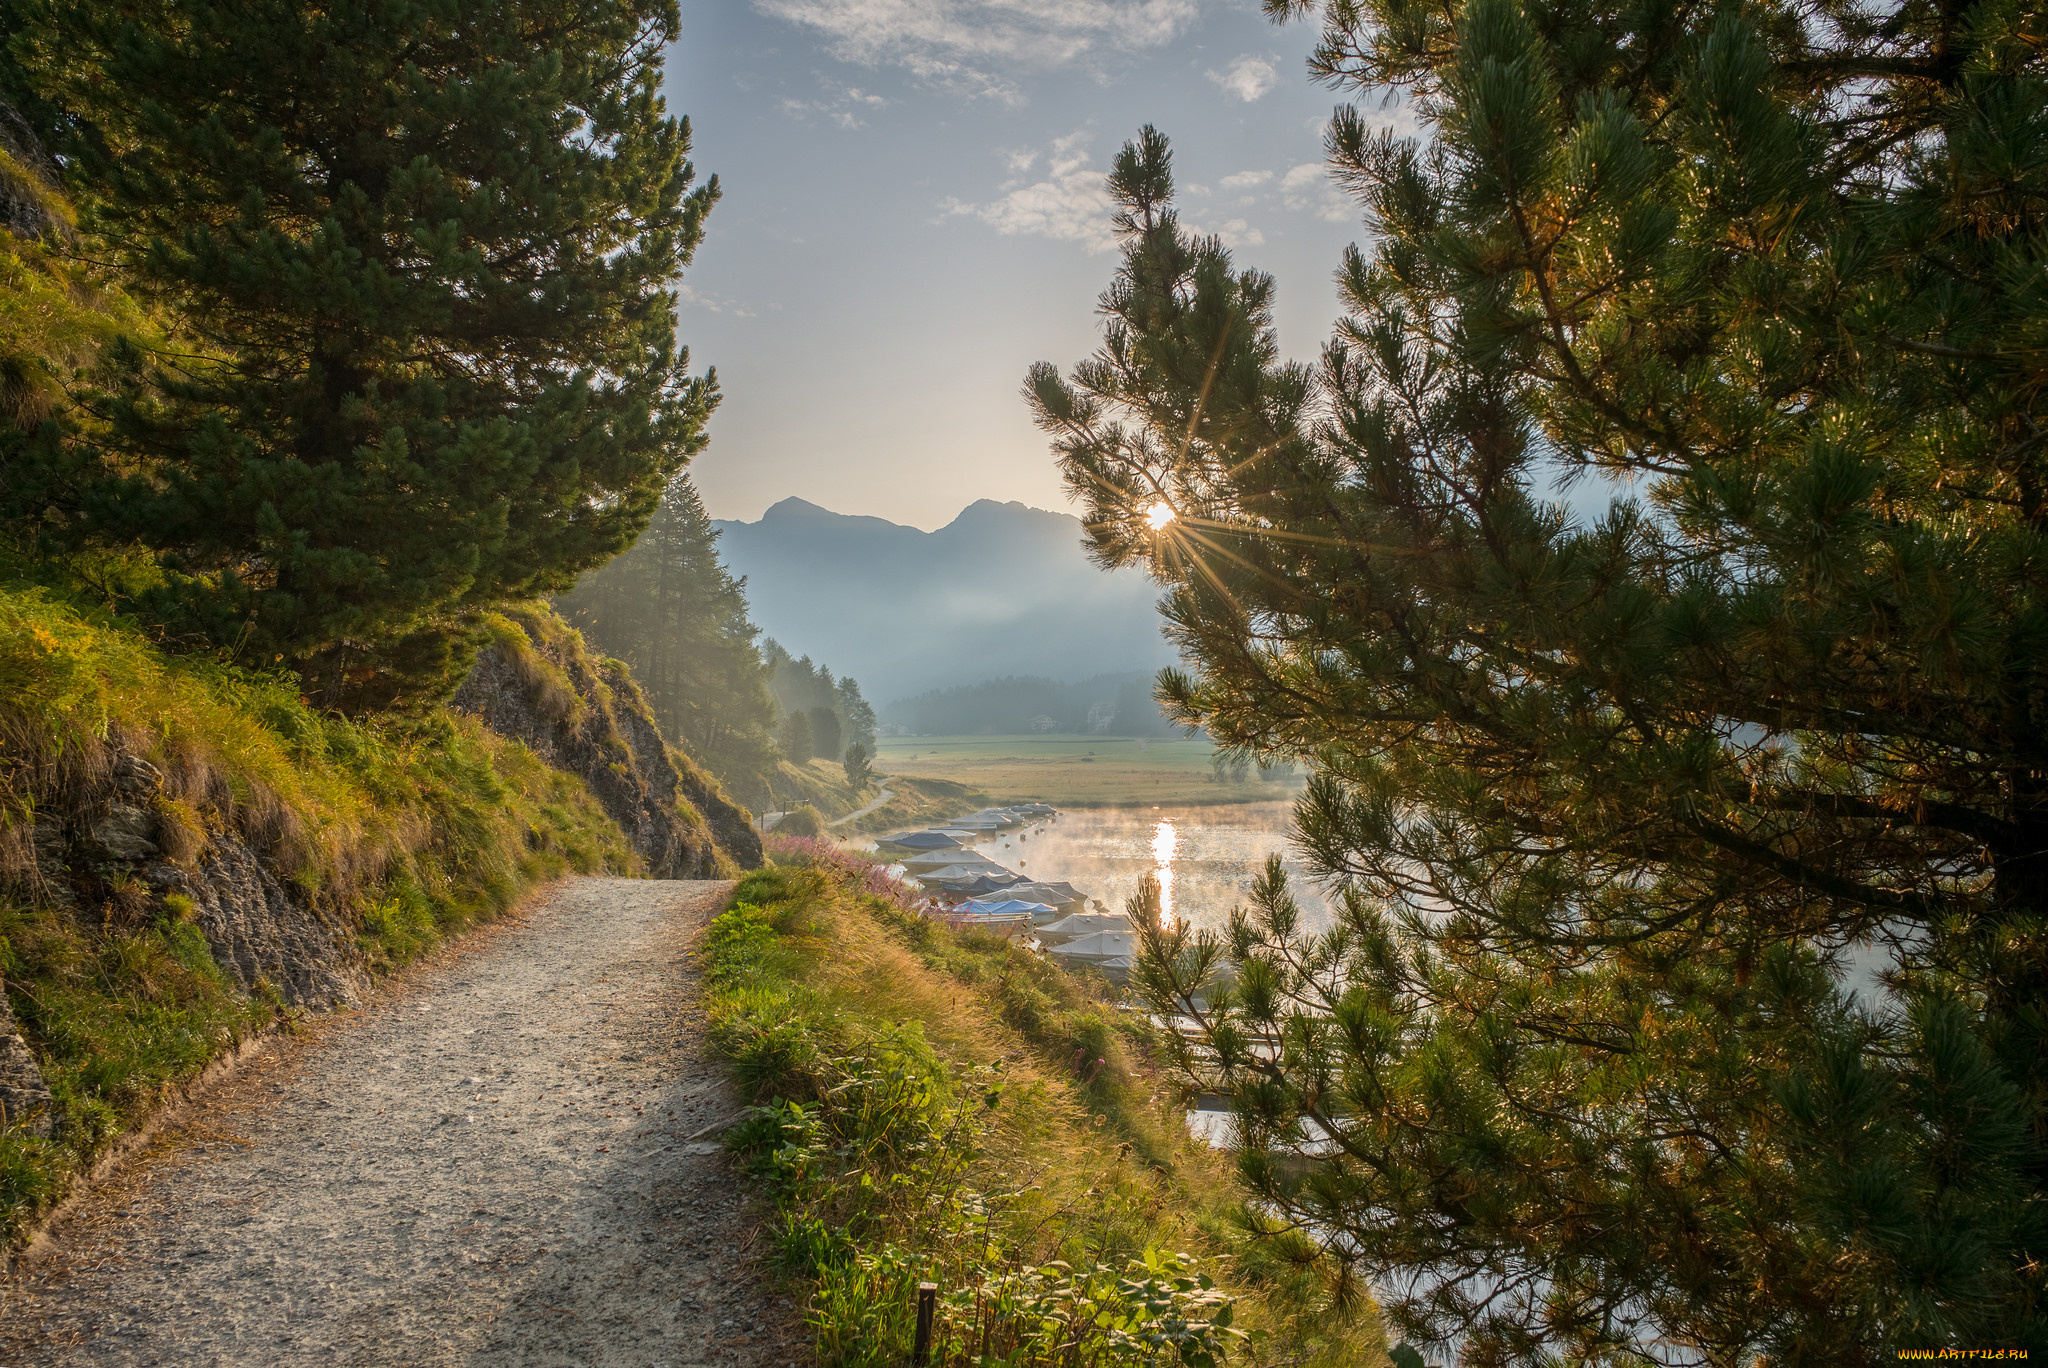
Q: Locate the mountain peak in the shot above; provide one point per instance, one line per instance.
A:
(793, 507)
(1003, 589)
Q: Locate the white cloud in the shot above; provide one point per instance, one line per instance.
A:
(1244, 180)
(1247, 78)
(1235, 233)
(1306, 188)
(970, 45)
(842, 105)
(1071, 204)
(695, 299)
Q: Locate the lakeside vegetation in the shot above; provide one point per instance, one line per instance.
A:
(1083, 771)
(933, 1105)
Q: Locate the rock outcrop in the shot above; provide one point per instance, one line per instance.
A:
(266, 933)
(538, 683)
(24, 1100)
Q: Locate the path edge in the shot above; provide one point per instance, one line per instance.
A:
(182, 1099)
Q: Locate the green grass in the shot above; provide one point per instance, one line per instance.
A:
(408, 830)
(1075, 771)
(947, 1107)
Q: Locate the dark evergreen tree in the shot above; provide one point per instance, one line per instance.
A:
(859, 772)
(838, 715)
(825, 734)
(798, 745)
(1589, 1068)
(425, 252)
(855, 712)
(669, 608)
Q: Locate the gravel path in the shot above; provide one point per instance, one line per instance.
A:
(880, 798)
(488, 1165)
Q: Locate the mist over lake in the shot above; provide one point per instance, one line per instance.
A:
(1206, 857)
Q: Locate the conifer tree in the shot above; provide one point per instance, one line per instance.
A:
(826, 742)
(798, 745)
(859, 771)
(426, 255)
(1686, 994)
(669, 608)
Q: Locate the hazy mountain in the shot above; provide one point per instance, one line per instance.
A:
(1001, 590)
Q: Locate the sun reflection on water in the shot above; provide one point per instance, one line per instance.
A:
(1165, 841)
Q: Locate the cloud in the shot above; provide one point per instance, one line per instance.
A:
(1247, 78)
(1235, 233)
(842, 105)
(1244, 180)
(1071, 204)
(1307, 188)
(691, 298)
(973, 46)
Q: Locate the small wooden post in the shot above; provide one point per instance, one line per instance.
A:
(927, 1303)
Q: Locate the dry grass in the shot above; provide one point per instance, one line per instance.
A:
(1075, 771)
(1088, 1146)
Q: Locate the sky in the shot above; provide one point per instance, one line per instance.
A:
(914, 212)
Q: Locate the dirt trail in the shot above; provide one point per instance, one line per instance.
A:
(880, 798)
(487, 1166)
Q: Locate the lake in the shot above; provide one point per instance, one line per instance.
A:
(1206, 857)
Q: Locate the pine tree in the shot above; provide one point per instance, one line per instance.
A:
(425, 253)
(669, 608)
(825, 734)
(1625, 811)
(859, 772)
(798, 746)
(857, 714)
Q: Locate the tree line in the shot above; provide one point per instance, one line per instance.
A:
(1687, 999)
(671, 610)
(1113, 704)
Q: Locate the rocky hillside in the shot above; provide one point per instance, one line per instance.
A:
(190, 853)
(538, 683)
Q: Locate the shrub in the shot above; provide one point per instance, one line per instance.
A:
(801, 821)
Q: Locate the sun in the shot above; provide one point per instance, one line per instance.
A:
(1159, 516)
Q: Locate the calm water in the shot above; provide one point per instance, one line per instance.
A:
(1205, 857)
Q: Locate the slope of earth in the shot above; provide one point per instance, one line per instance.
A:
(490, 1163)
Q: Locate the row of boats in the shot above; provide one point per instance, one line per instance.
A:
(976, 891)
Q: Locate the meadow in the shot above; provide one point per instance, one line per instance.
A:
(1076, 771)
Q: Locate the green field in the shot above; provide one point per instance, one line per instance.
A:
(1074, 771)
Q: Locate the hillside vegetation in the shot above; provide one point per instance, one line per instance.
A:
(136, 785)
(945, 1107)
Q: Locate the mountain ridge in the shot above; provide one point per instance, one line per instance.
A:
(1002, 589)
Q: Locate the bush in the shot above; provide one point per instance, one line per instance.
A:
(801, 821)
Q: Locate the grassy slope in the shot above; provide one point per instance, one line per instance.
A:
(891, 1033)
(414, 830)
(1075, 771)
(916, 802)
